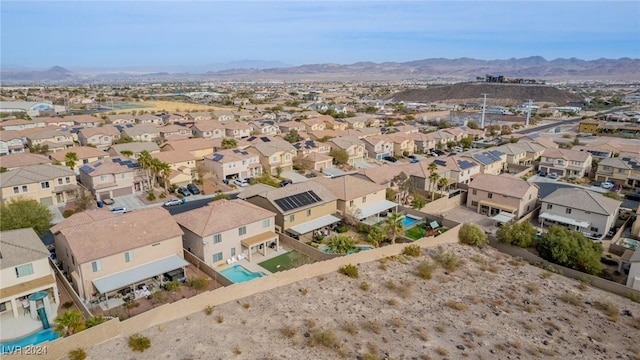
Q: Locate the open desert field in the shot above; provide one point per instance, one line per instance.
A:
(453, 302)
(171, 106)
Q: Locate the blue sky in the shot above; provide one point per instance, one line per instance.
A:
(155, 33)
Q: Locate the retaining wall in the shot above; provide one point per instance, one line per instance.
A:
(532, 215)
(444, 203)
(212, 273)
(76, 299)
(430, 217)
(300, 246)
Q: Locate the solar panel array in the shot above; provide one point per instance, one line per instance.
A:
(298, 200)
(440, 162)
(241, 152)
(217, 157)
(86, 168)
(464, 164)
(632, 162)
(131, 164)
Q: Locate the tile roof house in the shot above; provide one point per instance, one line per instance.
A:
(104, 253)
(580, 210)
(84, 120)
(287, 126)
(237, 130)
(54, 139)
(135, 147)
(492, 194)
(121, 119)
(208, 129)
(314, 123)
(48, 184)
(143, 132)
(358, 197)
(149, 119)
(246, 229)
(621, 170)
(21, 124)
(179, 161)
(460, 169)
(174, 132)
(198, 147)
(423, 142)
(101, 137)
(112, 177)
(234, 164)
(352, 145)
(25, 270)
(85, 155)
(265, 127)
(317, 161)
(300, 208)
(566, 162)
(491, 161)
(306, 147)
(11, 142)
(18, 160)
(274, 153)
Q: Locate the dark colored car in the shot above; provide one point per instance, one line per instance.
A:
(390, 159)
(439, 152)
(597, 183)
(193, 189)
(311, 175)
(285, 182)
(634, 197)
(184, 191)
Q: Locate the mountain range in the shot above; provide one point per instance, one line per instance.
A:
(535, 67)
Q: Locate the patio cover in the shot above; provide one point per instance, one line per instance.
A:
(565, 220)
(376, 208)
(498, 205)
(503, 217)
(314, 224)
(259, 239)
(121, 279)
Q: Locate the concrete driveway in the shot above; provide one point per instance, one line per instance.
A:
(462, 214)
(294, 176)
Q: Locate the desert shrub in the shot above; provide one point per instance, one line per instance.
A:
(412, 250)
(138, 342)
(162, 196)
(533, 287)
(220, 319)
(373, 326)
(572, 299)
(208, 310)
(158, 297)
(425, 269)
(93, 321)
(350, 328)
(571, 249)
(349, 270)
(172, 285)
(521, 234)
(246, 305)
(77, 354)
(633, 297)
(151, 196)
(67, 304)
(288, 331)
(449, 261)
(343, 229)
(237, 350)
(365, 286)
(66, 214)
(609, 309)
(457, 305)
(325, 338)
(471, 234)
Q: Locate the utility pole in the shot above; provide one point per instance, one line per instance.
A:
(484, 107)
(526, 125)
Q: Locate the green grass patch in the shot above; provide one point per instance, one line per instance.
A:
(286, 261)
(416, 232)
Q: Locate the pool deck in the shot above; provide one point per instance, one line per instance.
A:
(257, 258)
(17, 327)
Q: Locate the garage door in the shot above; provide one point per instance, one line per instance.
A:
(104, 195)
(47, 201)
(122, 192)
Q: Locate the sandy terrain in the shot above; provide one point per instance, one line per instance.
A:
(491, 307)
(171, 106)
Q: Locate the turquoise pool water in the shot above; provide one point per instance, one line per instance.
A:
(33, 339)
(324, 249)
(239, 274)
(409, 221)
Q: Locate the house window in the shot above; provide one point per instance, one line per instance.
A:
(16, 190)
(44, 184)
(529, 196)
(266, 223)
(474, 192)
(123, 176)
(233, 251)
(103, 178)
(128, 256)
(474, 203)
(96, 265)
(59, 181)
(85, 161)
(217, 238)
(24, 188)
(594, 229)
(242, 230)
(490, 195)
(350, 203)
(549, 206)
(24, 270)
(274, 159)
(364, 199)
(217, 257)
(292, 218)
(3, 307)
(67, 180)
(567, 210)
(308, 212)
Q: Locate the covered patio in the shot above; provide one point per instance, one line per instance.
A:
(312, 225)
(491, 208)
(503, 218)
(261, 242)
(373, 211)
(562, 220)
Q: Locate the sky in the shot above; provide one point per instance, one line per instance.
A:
(169, 33)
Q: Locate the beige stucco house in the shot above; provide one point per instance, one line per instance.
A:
(274, 153)
(48, 184)
(352, 145)
(492, 194)
(101, 137)
(566, 162)
(233, 164)
(112, 177)
(11, 142)
(54, 139)
(621, 170)
(208, 129)
(85, 155)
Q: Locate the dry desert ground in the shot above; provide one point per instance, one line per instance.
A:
(172, 106)
(478, 304)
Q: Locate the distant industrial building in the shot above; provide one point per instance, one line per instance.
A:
(32, 109)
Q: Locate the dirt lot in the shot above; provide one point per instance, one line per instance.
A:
(478, 304)
(171, 106)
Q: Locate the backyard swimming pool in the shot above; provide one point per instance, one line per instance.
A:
(41, 336)
(409, 221)
(239, 274)
(324, 249)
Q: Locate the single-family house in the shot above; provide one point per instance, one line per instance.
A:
(181, 161)
(144, 133)
(335, 124)
(357, 122)
(199, 116)
(274, 153)
(633, 280)
(491, 162)
(352, 145)
(378, 147)
(247, 229)
(492, 194)
(208, 129)
(121, 119)
(135, 148)
(54, 139)
(624, 171)
(101, 137)
(265, 127)
(174, 132)
(461, 169)
(48, 184)
(149, 119)
(236, 129)
(233, 164)
(580, 210)
(11, 142)
(423, 143)
(403, 144)
(566, 162)
(515, 153)
(112, 177)
(85, 155)
(300, 208)
(84, 120)
(21, 124)
(64, 123)
(198, 147)
(314, 123)
(18, 160)
(287, 126)
(103, 253)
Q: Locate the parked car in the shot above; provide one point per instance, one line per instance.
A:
(173, 202)
(458, 149)
(184, 191)
(285, 182)
(119, 210)
(414, 160)
(412, 156)
(607, 185)
(542, 173)
(553, 176)
(390, 159)
(311, 175)
(241, 182)
(193, 189)
(616, 188)
(634, 197)
(597, 183)
(438, 152)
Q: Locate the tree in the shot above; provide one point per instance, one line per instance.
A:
(352, 216)
(443, 183)
(473, 125)
(451, 144)
(126, 153)
(201, 171)
(70, 160)
(293, 136)
(405, 186)
(83, 199)
(571, 249)
(376, 236)
(229, 143)
(521, 234)
(69, 323)
(340, 156)
(125, 140)
(165, 171)
(390, 194)
(39, 149)
(613, 195)
(393, 226)
(24, 213)
(513, 140)
(341, 244)
(145, 160)
(418, 201)
(466, 142)
(472, 234)
(433, 180)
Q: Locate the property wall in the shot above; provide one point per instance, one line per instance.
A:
(300, 246)
(445, 203)
(71, 291)
(430, 217)
(211, 272)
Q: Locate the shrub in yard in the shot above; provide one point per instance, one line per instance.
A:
(162, 196)
(138, 342)
(208, 310)
(151, 196)
(412, 250)
(67, 304)
(425, 269)
(93, 321)
(349, 270)
(471, 234)
(172, 285)
(67, 213)
(77, 354)
(520, 234)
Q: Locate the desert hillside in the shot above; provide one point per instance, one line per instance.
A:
(453, 302)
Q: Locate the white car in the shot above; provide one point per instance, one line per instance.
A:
(607, 185)
(119, 210)
(553, 176)
(172, 202)
(241, 182)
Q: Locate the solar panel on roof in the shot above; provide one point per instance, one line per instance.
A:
(298, 200)
(86, 168)
(464, 164)
(217, 157)
(129, 125)
(265, 139)
(244, 152)
(251, 138)
(97, 164)
(440, 162)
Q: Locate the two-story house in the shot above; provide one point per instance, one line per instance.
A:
(300, 208)
(423, 142)
(358, 198)
(287, 126)
(143, 133)
(11, 142)
(149, 119)
(112, 177)
(403, 144)
(208, 129)
(461, 169)
(247, 229)
(19, 160)
(21, 124)
(265, 127)
(28, 290)
(314, 123)
(566, 162)
(493, 194)
(238, 130)
(85, 155)
(491, 162)
(233, 164)
(48, 184)
(174, 132)
(621, 170)
(274, 153)
(84, 120)
(580, 210)
(125, 249)
(135, 148)
(54, 139)
(198, 147)
(182, 164)
(101, 137)
(352, 145)
(121, 119)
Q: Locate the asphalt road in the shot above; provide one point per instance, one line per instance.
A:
(547, 188)
(194, 204)
(565, 122)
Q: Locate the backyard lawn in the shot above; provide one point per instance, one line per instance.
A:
(416, 232)
(286, 261)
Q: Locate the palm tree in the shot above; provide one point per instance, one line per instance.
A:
(433, 179)
(145, 160)
(376, 236)
(165, 172)
(126, 153)
(341, 244)
(69, 323)
(432, 167)
(443, 183)
(70, 160)
(393, 226)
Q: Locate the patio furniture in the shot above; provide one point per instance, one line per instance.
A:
(26, 307)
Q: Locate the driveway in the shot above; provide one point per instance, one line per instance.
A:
(462, 214)
(131, 202)
(294, 176)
